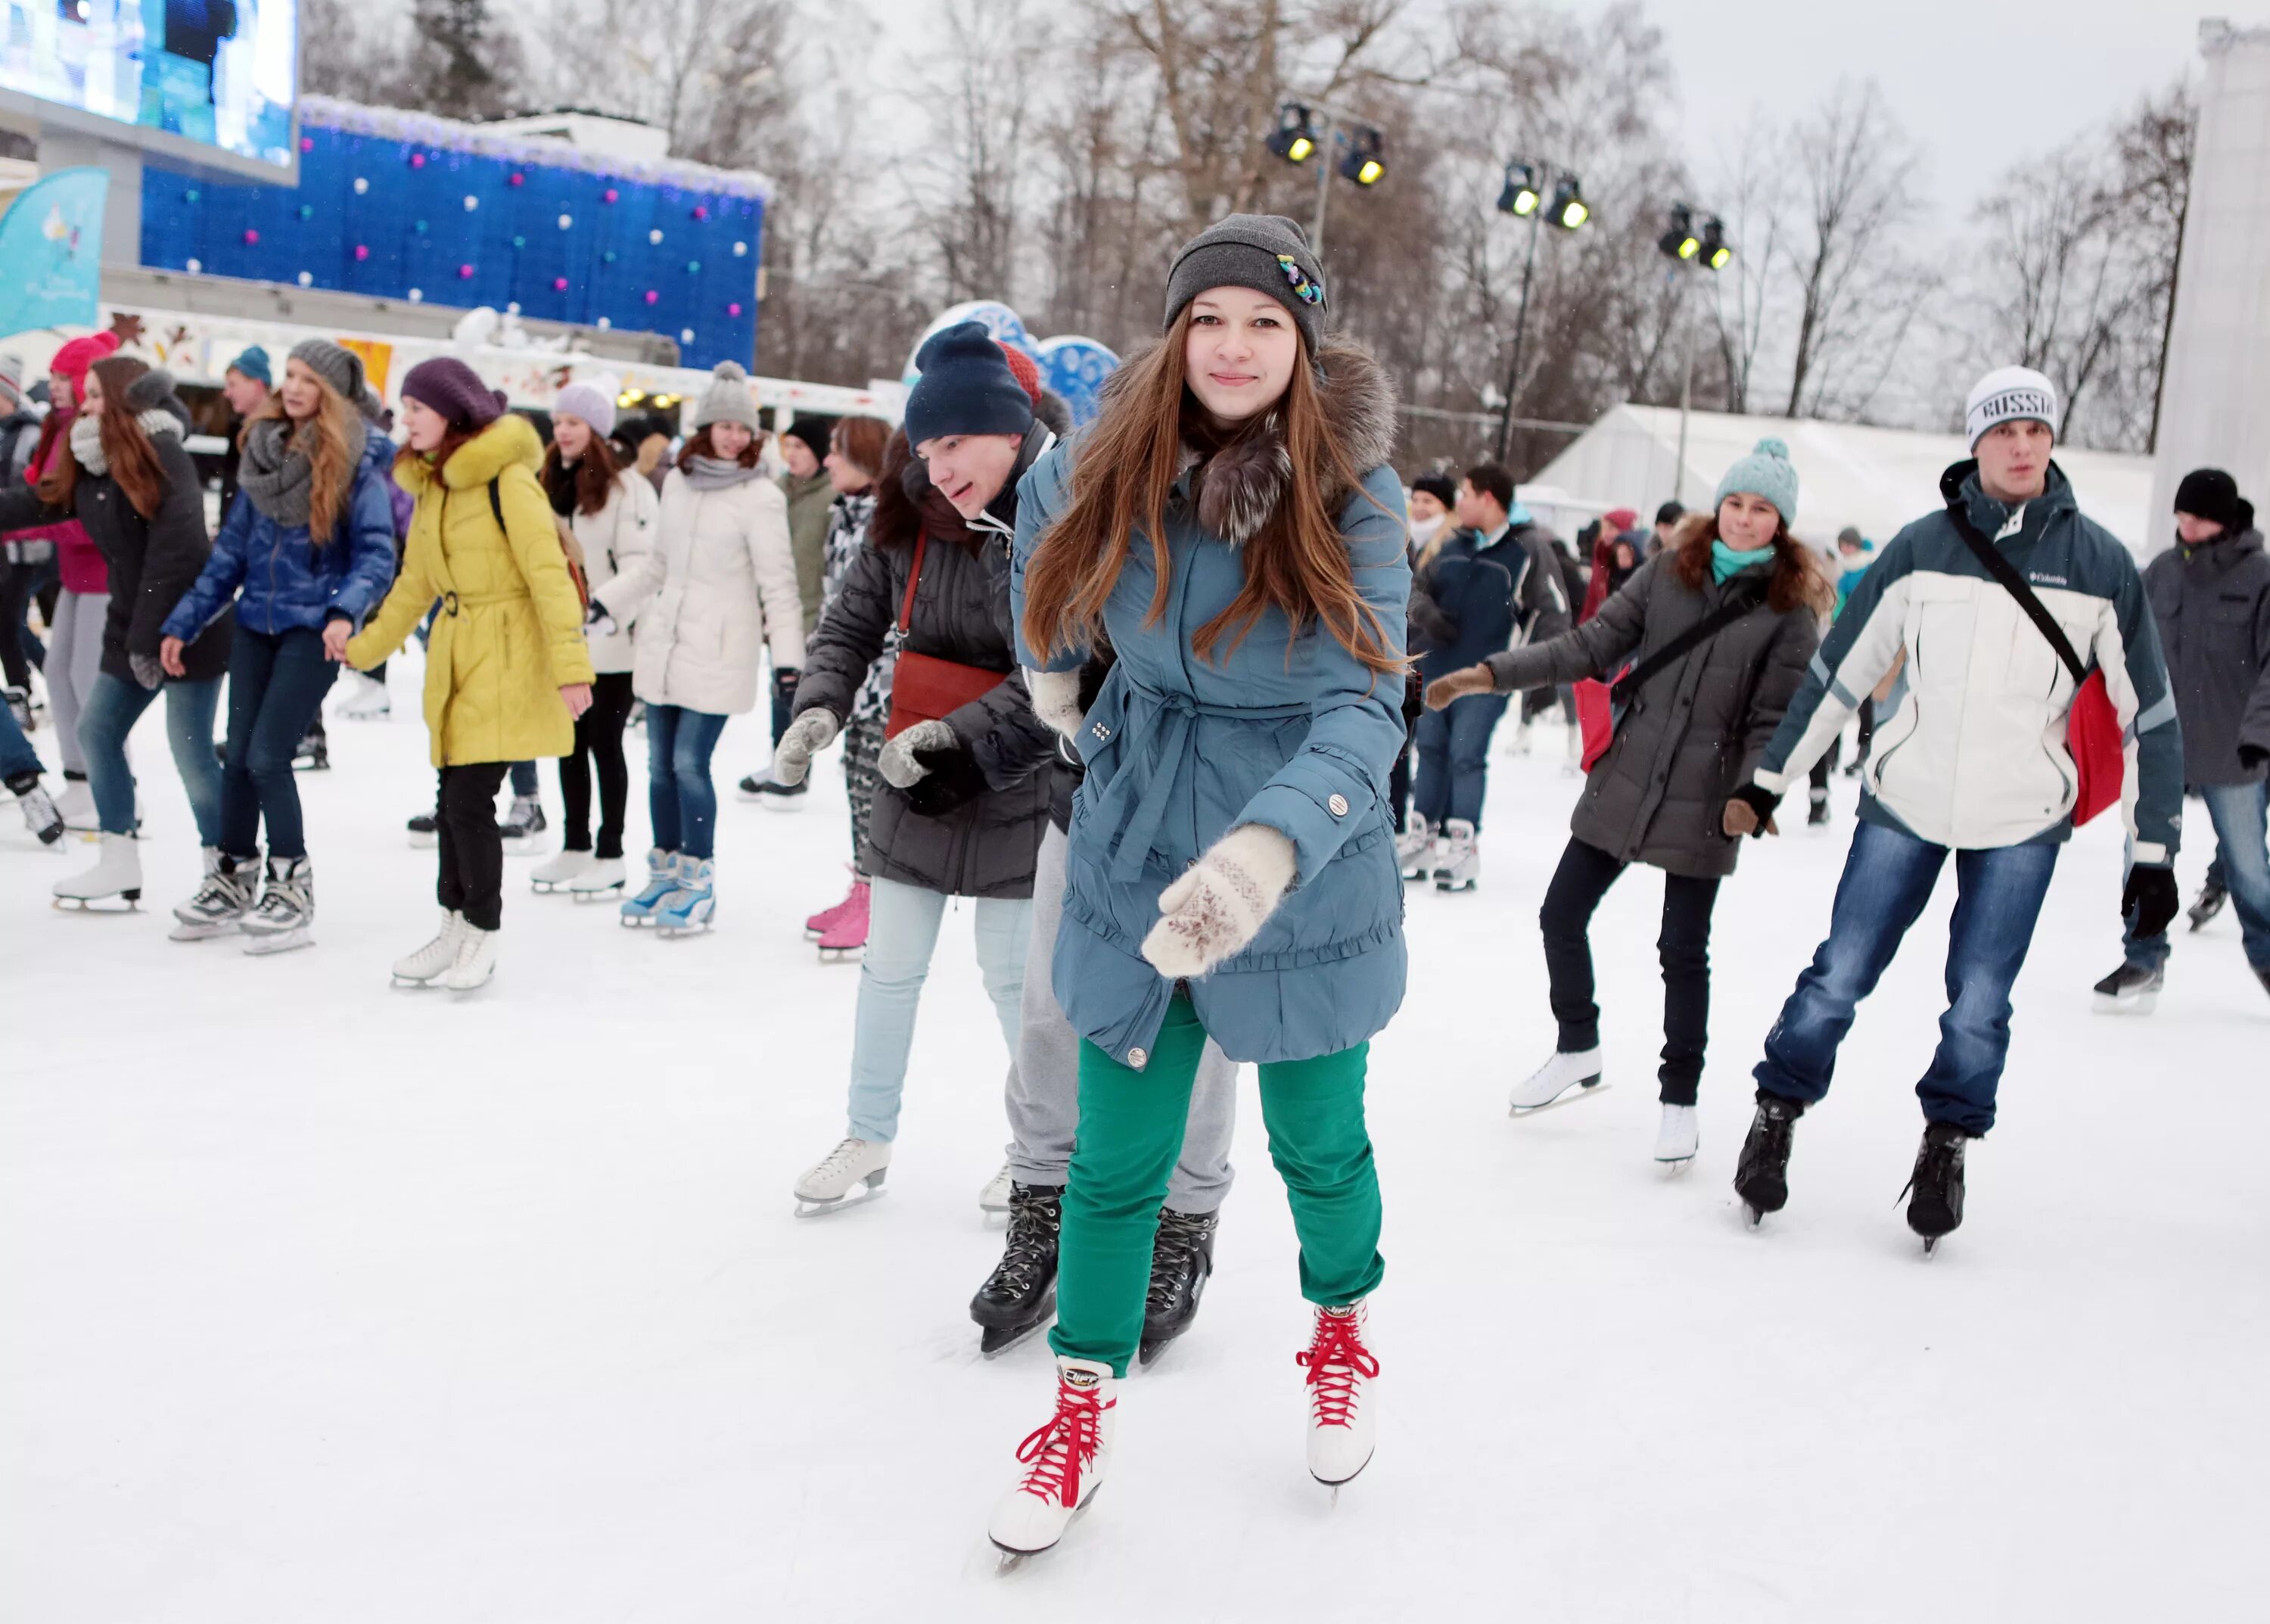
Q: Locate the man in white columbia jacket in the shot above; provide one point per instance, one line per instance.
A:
(1971, 758)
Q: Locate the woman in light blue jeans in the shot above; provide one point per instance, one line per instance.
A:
(902, 936)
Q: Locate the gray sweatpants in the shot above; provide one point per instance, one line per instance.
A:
(74, 661)
(1043, 1091)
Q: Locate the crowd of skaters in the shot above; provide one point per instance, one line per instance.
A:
(1180, 702)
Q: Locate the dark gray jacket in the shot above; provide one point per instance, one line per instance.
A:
(986, 847)
(1697, 729)
(2213, 604)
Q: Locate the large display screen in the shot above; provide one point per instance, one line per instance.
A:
(220, 73)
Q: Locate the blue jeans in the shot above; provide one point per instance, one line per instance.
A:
(2241, 814)
(1454, 758)
(17, 756)
(523, 780)
(902, 925)
(276, 687)
(109, 716)
(1888, 877)
(681, 800)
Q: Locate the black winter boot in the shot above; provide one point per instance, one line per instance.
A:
(1020, 1293)
(1182, 1262)
(1761, 1174)
(1936, 1206)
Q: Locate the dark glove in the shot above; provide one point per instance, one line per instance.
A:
(2254, 757)
(951, 779)
(2149, 901)
(146, 670)
(598, 621)
(1758, 800)
(784, 683)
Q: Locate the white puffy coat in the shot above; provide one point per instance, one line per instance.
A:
(615, 540)
(717, 587)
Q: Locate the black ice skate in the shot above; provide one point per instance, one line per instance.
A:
(1182, 1262)
(1761, 1175)
(2212, 896)
(1935, 1208)
(314, 754)
(2132, 989)
(1019, 1296)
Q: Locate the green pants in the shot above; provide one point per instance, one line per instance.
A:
(1130, 1133)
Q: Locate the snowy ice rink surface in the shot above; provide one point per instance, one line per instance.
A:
(333, 1304)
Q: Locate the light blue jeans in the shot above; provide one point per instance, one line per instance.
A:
(109, 714)
(2240, 812)
(902, 923)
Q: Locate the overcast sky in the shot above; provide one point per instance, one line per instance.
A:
(1977, 82)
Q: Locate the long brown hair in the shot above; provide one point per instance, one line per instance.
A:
(863, 443)
(126, 445)
(324, 437)
(1124, 478)
(1797, 579)
(594, 473)
(896, 519)
(701, 445)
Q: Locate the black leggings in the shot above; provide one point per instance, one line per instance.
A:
(1582, 878)
(19, 650)
(599, 735)
(471, 880)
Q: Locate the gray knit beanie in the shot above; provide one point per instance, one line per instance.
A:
(727, 399)
(1265, 252)
(335, 364)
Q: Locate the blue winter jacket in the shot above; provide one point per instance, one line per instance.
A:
(1489, 597)
(280, 581)
(1287, 730)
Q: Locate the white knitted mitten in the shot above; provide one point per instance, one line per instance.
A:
(1056, 699)
(1217, 909)
(897, 763)
(811, 732)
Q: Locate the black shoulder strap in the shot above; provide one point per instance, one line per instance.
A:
(2004, 571)
(496, 502)
(1708, 626)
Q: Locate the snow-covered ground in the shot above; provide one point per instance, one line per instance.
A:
(328, 1303)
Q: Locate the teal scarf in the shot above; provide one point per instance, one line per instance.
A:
(1726, 562)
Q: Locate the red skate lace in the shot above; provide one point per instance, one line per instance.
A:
(1333, 1362)
(1061, 1449)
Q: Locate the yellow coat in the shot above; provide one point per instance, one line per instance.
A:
(510, 632)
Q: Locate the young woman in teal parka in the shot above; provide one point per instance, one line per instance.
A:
(1230, 527)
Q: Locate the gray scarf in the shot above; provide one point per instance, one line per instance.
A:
(717, 473)
(86, 437)
(275, 472)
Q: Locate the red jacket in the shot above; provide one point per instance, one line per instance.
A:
(77, 557)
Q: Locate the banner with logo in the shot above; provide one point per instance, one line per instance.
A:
(51, 252)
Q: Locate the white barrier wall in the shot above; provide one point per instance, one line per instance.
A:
(2214, 407)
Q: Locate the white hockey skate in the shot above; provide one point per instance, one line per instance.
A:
(1459, 858)
(221, 901)
(1678, 1137)
(116, 877)
(995, 1197)
(476, 961)
(559, 871)
(1415, 848)
(849, 1175)
(602, 877)
(1064, 1460)
(425, 967)
(1546, 1086)
(286, 911)
(1343, 1395)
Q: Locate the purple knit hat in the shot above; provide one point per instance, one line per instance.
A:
(450, 386)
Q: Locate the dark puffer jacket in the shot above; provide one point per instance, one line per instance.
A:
(153, 561)
(1695, 730)
(986, 847)
(2213, 604)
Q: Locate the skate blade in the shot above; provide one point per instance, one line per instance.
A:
(1567, 1096)
(671, 932)
(424, 842)
(1930, 1247)
(411, 983)
(1451, 886)
(277, 941)
(633, 921)
(1673, 1166)
(996, 1341)
(186, 932)
(597, 893)
(842, 955)
(1342, 1483)
(822, 1209)
(2142, 1003)
(465, 992)
(86, 904)
(1757, 1215)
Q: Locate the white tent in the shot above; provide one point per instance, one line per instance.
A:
(1876, 478)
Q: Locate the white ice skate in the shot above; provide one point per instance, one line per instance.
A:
(221, 901)
(1676, 1139)
(76, 805)
(286, 912)
(602, 877)
(995, 1197)
(424, 967)
(1343, 1395)
(849, 1175)
(1459, 858)
(1065, 1462)
(365, 701)
(1415, 848)
(1545, 1086)
(476, 961)
(559, 871)
(116, 877)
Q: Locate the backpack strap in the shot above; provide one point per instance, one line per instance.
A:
(1708, 626)
(2006, 573)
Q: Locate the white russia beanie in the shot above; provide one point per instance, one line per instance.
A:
(2008, 393)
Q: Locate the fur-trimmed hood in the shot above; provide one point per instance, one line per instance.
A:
(1238, 488)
